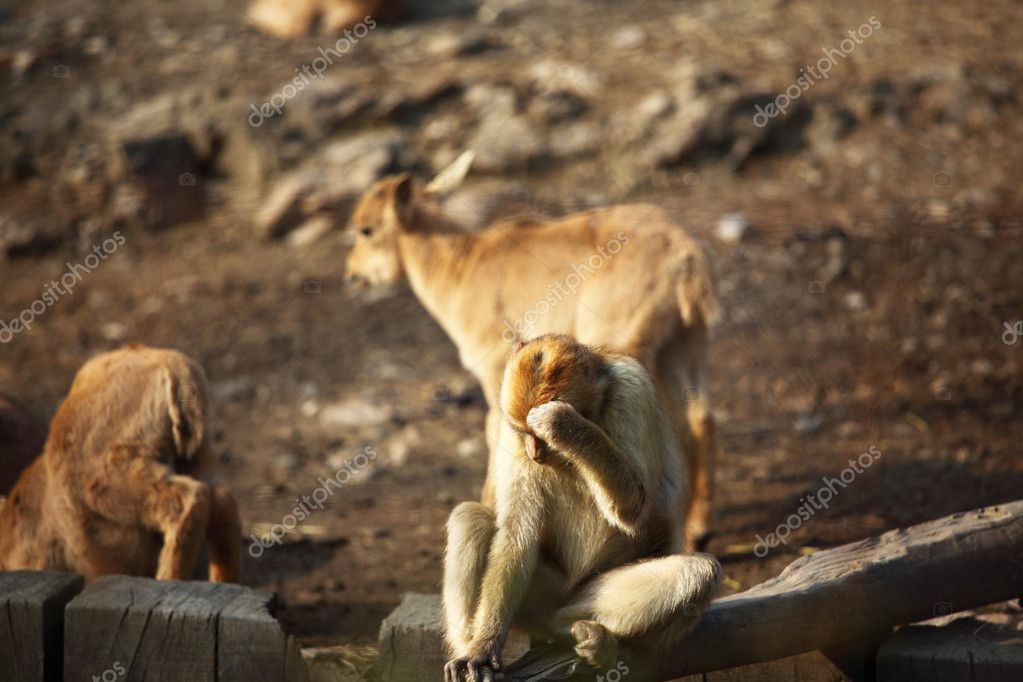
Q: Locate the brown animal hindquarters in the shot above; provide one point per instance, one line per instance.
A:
(117, 489)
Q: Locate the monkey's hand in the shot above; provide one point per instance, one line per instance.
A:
(553, 422)
(483, 666)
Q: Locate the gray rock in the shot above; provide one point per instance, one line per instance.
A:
(354, 412)
(731, 228)
(715, 119)
(327, 184)
(27, 236)
(232, 390)
(507, 144)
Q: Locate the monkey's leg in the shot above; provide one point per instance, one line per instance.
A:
(471, 529)
(134, 488)
(222, 536)
(648, 604)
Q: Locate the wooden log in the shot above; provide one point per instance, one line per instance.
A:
(32, 623)
(412, 641)
(965, 649)
(170, 631)
(962, 561)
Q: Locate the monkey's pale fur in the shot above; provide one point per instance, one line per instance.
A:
(652, 300)
(116, 488)
(585, 542)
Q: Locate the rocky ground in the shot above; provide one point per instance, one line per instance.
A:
(868, 245)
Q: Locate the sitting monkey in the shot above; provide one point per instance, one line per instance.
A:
(584, 544)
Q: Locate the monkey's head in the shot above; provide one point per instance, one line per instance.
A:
(548, 368)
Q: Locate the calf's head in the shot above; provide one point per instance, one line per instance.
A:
(385, 211)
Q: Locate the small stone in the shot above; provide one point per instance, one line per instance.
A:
(309, 408)
(354, 412)
(808, 423)
(855, 300)
(310, 232)
(628, 37)
(113, 331)
(232, 390)
(470, 447)
(287, 461)
(731, 228)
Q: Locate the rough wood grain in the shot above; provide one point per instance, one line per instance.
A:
(412, 641)
(961, 561)
(170, 631)
(966, 649)
(32, 623)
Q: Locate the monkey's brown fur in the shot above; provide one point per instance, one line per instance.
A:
(584, 544)
(116, 488)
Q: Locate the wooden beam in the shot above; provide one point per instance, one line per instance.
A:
(412, 641)
(170, 631)
(32, 623)
(965, 649)
(840, 595)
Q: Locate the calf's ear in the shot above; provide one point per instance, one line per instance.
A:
(451, 178)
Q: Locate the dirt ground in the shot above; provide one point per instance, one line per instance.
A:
(864, 307)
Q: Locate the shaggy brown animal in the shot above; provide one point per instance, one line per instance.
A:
(116, 489)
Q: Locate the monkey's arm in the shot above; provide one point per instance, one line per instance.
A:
(614, 477)
(510, 565)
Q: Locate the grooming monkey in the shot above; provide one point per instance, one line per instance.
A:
(584, 545)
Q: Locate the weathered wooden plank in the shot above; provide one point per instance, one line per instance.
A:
(966, 649)
(411, 648)
(412, 641)
(252, 643)
(170, 631)
(32, 622)
(965, 560)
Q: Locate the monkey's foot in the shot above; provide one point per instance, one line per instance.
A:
(484, 667)
(594, 644)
